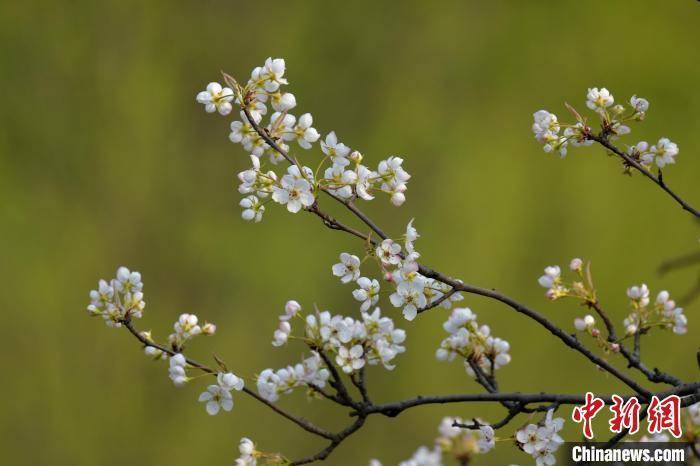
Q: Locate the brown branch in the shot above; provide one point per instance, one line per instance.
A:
(396, 408)
(335, 441)
(438, 301)
(602, 139)
(300, 421)
(632, 358)
(512, 413)
(569, 340)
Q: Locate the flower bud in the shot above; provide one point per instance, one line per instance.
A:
(246, 447)
(576, 264)
(398, 198)
(355, 156)
(209, 329)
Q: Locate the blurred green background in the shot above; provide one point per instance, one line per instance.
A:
(106, 159)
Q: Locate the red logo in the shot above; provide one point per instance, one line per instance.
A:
(662, 415)
(587, 412)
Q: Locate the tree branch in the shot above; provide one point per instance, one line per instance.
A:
(300, 421)
(569, 340)
(602, 139)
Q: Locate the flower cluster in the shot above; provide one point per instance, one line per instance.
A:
(219, 396)
(119, 299)
(282, 333)
(351, 343)
(344, 177)
(614, 120)
(541, 440)
(311, 372)
(581, 287)
(176, 371)
(398, 265)
(663, 313)
(187, 327)
(474, 343)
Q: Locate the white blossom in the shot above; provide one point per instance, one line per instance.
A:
(410, 296)
(662, 153)
(348, 269)
(340, 181)
(639, 104)
(550, 277)
(311, 371)
(186, 327)
(394, 179)
(365, 182)
(304, 133)
(252, 208)
(269, 77)
(337, 151)
(119, 299)
(281, 125)
(219, 396)
(639, 295)
(388, 252)
(283, 102)
(367, 293)
(281, 335)
(545, 126)
(230, 381)
(291, 309)
(599, 100)
(552, 281)
(294, 191)
(587, 323)
(410, 237)
(541, 440)
(350, 359)
(677, 321)
(246, 447)
(473, 342)
(383, 341)
(575, 265)
(216, 98)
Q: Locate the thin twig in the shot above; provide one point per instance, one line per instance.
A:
(300, 421)
(629, 161)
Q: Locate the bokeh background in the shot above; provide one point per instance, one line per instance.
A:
(105, 159)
